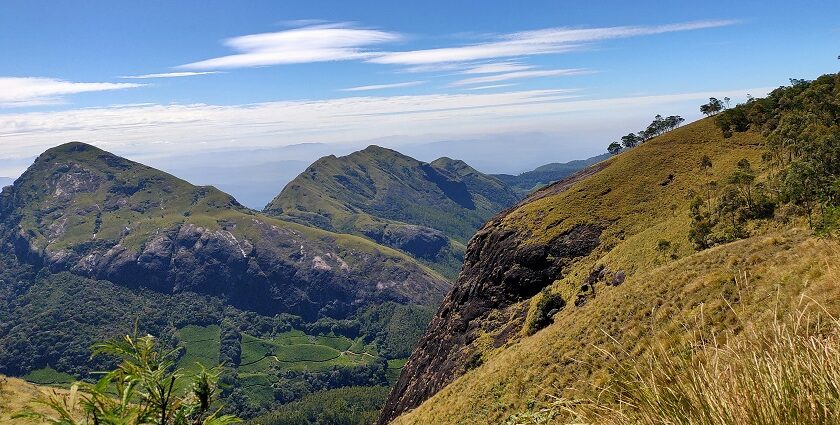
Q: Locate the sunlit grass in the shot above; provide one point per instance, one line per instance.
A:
(786, 373)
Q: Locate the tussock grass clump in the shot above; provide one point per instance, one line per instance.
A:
(787, 374)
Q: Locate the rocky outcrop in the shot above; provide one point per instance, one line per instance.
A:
(502, 268)
(499, 271)
(419, 241)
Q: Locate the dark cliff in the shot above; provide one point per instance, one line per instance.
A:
(502, 268)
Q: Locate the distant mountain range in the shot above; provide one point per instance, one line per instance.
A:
(547, 174)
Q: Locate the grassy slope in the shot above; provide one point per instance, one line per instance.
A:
(17, 395)
(375, 191)
(161, 202)
(201, 346)
(178, 202)
(663, 301)
(382, 185)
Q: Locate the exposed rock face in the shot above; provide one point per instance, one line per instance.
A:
(83, 210)
(499, 272)
(419, 241)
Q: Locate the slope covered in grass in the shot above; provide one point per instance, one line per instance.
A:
(638, 284)
(84, 210)
(428, 210)
(17, 395)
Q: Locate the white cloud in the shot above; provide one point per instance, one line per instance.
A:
(519, 75)
(165, 130)
(492, 86)
(384, 86)
(340, 42)
(169, 75)
(492, 68)
(319, 43)
(34, 91)
(550, 40)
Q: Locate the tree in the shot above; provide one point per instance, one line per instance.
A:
(630, 140)
(614, 148)
(674, 121)
(713, 107)
(743, 179)
(145, 389)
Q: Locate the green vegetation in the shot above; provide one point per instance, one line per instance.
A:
(141, 390)
(801, 123)
(659, 126)
(343, 406)
(297, 351)
(427, 210)
(201, 347)
(546, 307)
(49, 376)
(34, 333)
(394, 368)
(105, 217)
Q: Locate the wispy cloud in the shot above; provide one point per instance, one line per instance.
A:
(538, 42)
(320, 43)
(35, 91)
(168, 75)
(384, 86)
(341, 42)
(302, 22)
(492, 68)
(161, 130)
(492, 86)
(519, 75)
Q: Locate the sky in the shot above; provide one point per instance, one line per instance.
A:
(217, 91)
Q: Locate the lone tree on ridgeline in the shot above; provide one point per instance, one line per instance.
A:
(614, 148)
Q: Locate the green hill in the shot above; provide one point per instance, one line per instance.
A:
(97, 215)
(707, 233)
(428, 210)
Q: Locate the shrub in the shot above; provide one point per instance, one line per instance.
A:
(548, 305)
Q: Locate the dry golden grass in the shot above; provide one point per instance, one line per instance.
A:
(664, 302)
(17, 395)
(665, 307)
(784, 373)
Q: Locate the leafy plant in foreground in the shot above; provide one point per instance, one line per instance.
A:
(144, 389)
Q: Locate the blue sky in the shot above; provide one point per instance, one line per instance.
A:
(246, 76)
